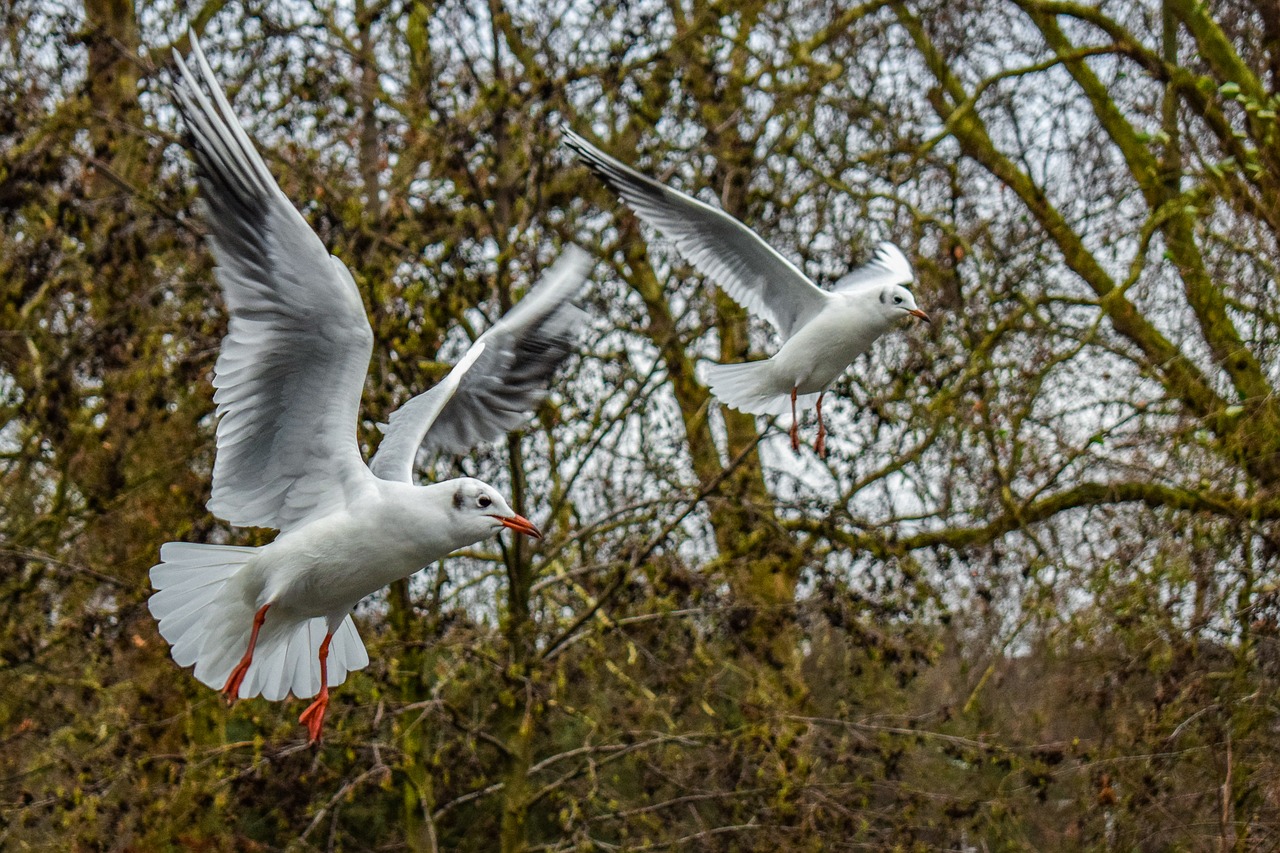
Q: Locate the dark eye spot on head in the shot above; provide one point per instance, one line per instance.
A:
(897, 300)
(882, 297)
(484, 501)
(458, 499)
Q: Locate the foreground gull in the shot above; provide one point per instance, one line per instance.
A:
(823, 331)
(276, 619)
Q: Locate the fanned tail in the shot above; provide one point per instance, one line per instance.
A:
(189, 580)
(751, 387)
(287, 659)
(211, 629)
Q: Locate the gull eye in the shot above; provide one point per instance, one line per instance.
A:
(897, 300)
(484, 501)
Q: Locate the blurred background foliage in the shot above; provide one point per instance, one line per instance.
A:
(1028, 602)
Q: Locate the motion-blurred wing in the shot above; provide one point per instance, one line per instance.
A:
(888, 266)
(722, 248)
(298, 343)
(409, 423)
(508, 380)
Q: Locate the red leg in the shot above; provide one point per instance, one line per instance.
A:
(821, 446)
(313, 717)
(232, 688)
(795, 425)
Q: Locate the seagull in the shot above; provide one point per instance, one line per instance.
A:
(823, 331)
(276, 619)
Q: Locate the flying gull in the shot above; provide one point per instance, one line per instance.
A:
(275, 619)
(823, 331)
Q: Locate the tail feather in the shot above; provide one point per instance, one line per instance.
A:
(210, 629)
(189, 579)
(182, 562)
(268, 659)
(272, 656)
(751, 387)
(287, 659)
(178, 600)
(296, 671)
(187, 648)
(223, 646)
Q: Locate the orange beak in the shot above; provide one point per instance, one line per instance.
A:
(923, 316)
(519, 524)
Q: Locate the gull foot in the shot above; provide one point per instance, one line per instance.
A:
(313, 717)
(231, 689)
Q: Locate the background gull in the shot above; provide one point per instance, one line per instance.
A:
(823, 331)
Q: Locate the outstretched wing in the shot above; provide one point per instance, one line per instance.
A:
(298, 343)
(722, 248)
(409, 423)
(888, 266)
(507, 381)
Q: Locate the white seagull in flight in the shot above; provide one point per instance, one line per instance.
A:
(823, 330)
(276, 619)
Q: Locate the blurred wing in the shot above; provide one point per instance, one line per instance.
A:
(409, 423)
(524, 350)
(888, 266)
(508, 381)
(722, 248)
(298, 343)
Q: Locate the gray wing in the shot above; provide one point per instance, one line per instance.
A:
(507, 381)
(293, 363)
(888, 266)
(722, 248)
(410, 423)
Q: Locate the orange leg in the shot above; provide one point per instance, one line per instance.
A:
(821, 445)
(313, 717)
(795, 425)
(232, 688)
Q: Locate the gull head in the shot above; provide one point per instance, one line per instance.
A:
(896, 301)
(478, 508)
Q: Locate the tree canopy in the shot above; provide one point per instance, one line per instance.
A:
(1028, 601)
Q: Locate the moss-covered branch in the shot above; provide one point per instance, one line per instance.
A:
(1081, 496)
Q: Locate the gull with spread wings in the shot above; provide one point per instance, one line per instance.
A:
(275, 619)
(823, 331)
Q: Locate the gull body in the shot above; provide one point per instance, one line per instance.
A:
(275, 619)
(305, 583)
(811, 359)
(328, 565)
(823, 331)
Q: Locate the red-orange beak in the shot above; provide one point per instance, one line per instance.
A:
(916, 312)
(519, 524)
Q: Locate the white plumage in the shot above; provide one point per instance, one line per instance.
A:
(190, 579)
(275, 620)
(823, 331)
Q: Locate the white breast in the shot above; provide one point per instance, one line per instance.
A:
(327, 566)
(821, 349)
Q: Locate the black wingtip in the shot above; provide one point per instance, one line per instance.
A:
(576, 143)
(591, 156)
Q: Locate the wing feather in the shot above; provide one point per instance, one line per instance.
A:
(507, 380)
(409, 424)
(719, 246)
(292, 366)
(888, 266)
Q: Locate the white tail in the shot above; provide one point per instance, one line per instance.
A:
(211, 630)
(751, 387)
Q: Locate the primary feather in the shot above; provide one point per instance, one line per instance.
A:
(719, 246)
